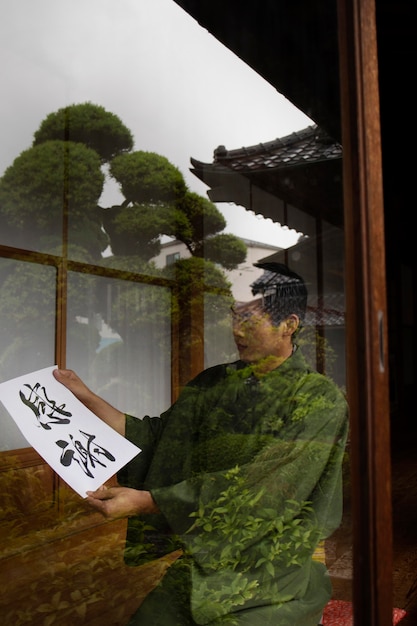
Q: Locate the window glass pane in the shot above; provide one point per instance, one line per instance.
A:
(219, 346)
(119, 341)
(27, 329)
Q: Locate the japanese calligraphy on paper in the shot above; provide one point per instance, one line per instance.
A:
(78, 446)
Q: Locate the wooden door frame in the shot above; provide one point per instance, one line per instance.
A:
(366, 315)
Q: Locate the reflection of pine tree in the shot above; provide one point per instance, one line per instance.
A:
(53, 188)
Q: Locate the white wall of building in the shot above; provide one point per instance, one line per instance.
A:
(241, 278)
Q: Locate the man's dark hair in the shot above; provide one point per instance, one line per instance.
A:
(283, 291)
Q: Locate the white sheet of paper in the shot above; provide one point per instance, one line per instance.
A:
(82, 449)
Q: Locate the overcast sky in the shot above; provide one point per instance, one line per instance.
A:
(179, 90)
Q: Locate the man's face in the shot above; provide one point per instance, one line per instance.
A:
(255, 336)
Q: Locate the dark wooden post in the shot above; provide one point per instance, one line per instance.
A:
(366, 315)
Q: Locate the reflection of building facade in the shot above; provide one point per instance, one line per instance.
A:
(296, 181)
(240, 278)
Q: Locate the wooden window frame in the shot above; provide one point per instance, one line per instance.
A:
(366, 315)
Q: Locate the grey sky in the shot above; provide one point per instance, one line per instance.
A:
(179, 90)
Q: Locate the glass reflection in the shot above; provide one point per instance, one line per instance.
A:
(27, 311)
(152, 262)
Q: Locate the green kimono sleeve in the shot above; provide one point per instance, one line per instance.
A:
(147, 537)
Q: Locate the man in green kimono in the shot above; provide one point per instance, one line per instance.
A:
(244, 472)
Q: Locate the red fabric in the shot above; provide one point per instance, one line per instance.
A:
(339, 613)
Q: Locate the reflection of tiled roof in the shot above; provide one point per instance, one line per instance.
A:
(302, 170)
(309, 145)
